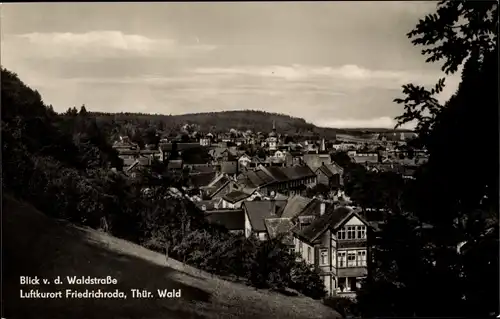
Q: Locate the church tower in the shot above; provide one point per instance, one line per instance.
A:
(323, 146)
(272, 140)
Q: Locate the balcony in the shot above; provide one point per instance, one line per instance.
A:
(352, 272)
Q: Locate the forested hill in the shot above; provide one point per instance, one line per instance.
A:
(257, 121)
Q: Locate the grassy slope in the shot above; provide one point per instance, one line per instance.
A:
(34, 244)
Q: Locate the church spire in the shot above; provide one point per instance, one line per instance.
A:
(274, 125)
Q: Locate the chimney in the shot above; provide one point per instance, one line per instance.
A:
(322, 207)
(273, 207)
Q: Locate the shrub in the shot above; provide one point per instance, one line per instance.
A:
(344, 306)
(307, 281)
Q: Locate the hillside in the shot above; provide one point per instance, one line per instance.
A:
(34, 244)
(257, 121)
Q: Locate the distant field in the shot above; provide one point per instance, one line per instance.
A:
(34, 244)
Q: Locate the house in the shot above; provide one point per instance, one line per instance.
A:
(205, 141)
(274, 161)
(316, 160)
(232, 219)
(294, 206)
(208, 205)
(330, 175)
(124, 144)
(199, 180)
(244, 160)
(335, 244)
(280, 227)
(229, 167)
(257, 179)
(166, 149)
(234, 199)
(289, 180)
(256, 212)
(286, 180)
(222, 154)
(314, 209)
(219, 187)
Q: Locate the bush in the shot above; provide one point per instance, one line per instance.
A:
(307, 281)
(344, 306)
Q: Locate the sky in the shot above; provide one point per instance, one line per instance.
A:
(335, 64)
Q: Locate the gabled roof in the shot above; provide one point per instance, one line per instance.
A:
(229, 167)
(255, 179)
(313, 209)
(283, 174)
(331, 169)
(218, 152)
(244, 155)
(258, 211)
(201, 179)
(331, 219)
(262, 178)
(216, 185)
(294, 206)
(233, 219)
(235, 196)
(257, 159)
(277, 226)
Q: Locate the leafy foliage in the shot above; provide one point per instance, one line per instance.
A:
(423, 257)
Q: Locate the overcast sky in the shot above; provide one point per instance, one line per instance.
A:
(336, 64)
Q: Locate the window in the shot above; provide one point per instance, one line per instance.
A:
(361, 260)
(324, 257)
(309, 253)
(300, 248)
(361, 232)
(351, 259)
(351, 232)
(341, 234)
(341, 259)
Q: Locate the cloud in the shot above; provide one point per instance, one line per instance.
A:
(379, 122)
(350, 72)
(96, 44)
